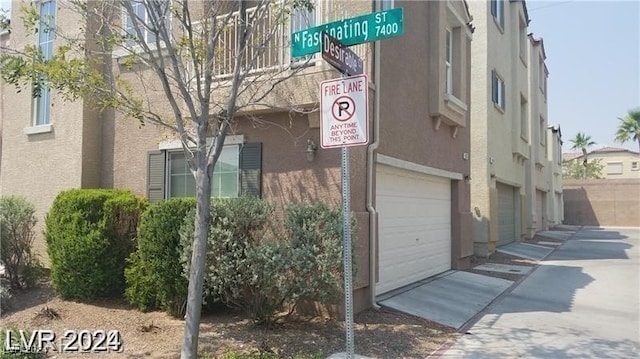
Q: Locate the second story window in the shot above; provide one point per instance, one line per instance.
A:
(144, 17)
(497, 90)
(453, 62)
(497, 10)
(386, 5)
(46, 36)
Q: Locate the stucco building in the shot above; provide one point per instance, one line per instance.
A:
(618, 163)
(511, 190)
(410, 186)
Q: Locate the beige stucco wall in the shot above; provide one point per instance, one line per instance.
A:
(626, 158)
(39, 166)
(416, 124)
(499, 153)
(604, 202)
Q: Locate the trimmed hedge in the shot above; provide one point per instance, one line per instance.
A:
(154, 275)
(89, 235)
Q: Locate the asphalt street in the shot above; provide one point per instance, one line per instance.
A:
(583, 301)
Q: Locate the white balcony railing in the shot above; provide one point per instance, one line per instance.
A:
(269, 45)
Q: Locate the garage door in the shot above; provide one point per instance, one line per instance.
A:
(506, 214)
(414, 225)
(539, 211)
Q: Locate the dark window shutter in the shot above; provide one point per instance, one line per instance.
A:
(155, 175)
(251, 169)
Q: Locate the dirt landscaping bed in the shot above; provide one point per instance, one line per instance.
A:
(379, 334)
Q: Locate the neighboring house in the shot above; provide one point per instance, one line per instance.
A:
(618, 163)
(410, 188)
(509, 166)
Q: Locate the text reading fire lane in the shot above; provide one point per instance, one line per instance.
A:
(344, 112)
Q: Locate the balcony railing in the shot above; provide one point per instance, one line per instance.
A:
(268, 46)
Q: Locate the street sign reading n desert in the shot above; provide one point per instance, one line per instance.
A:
(344, 111)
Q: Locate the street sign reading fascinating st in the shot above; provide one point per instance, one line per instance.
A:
(344, 112)
(352, 31)
(340, 57)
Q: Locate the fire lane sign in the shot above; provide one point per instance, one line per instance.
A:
(344, 112)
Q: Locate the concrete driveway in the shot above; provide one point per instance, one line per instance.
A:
(582, 302)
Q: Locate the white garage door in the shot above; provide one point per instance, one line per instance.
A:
(414, 226)
(506, 214)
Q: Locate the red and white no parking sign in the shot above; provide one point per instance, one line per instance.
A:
(344, 112)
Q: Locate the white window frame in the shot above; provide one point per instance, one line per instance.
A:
(524, 40)
(634, 166)
(169, 175)
(132, 44)
(45, 42)
(543, 132)
(498, 91)
(448, 62)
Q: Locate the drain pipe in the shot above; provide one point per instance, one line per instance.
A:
(371, 153)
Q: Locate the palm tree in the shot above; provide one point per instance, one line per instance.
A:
(582, 141)
(629, 127)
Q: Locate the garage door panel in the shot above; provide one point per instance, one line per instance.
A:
(414, 226)
(506, 214)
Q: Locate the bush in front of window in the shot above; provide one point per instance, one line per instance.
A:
(260, 263)
(17, 220)
(154, 272)
(89, 235)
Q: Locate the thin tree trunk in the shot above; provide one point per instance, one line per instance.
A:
(198, 260)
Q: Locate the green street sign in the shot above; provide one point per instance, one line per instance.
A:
(352, 31)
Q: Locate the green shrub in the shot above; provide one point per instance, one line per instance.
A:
(315, 242)
(237, 227)
(5, 297)
(154, 275)
(89, 234)
(17, 220)
(251, 269)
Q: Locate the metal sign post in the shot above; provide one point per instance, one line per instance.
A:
(346, 233)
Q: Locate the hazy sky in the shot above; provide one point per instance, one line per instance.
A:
(593, 56)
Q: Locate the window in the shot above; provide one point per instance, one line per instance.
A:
(144, 12)
(524, 118)
(46, 36)
(302, 19)
(237, 172)
(453, 62)
(225, 175)
(497, 10)
(386, 5)
(543, 77)
(543, 131)
(448, 62)
(524, 40)
(634, 165)
(498, 90)
(614, 168)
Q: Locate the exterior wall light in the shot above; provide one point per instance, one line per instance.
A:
(311, 150)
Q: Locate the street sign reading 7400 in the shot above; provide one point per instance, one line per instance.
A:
(352, 31)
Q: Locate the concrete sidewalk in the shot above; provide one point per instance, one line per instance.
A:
(583, 301)
(455, 298)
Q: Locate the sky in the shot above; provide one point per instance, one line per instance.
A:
(593, 57)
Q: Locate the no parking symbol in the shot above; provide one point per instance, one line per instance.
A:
(344, 112)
